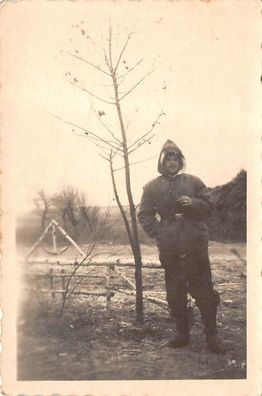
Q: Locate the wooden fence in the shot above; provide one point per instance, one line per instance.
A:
(112, 269)
(57, 278)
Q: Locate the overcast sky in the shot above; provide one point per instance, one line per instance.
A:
(206, 61)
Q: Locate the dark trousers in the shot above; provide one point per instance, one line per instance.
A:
(190, 274)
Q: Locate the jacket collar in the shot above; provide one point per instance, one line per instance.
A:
(172, 177)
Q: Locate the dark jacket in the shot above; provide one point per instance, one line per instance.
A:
(177, 230)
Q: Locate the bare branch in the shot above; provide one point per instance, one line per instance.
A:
(103, 148)
(138, 83)
(147, 133)
(108, 148)
(87, 132)
(89, 63)
(140, 144)
(72, 124)
(123, 49)
(124, 75)
(114, 153)
(86, 275)
(65, 296)
(107, 61)
(92, 139)
(105, 126)
(107, 159)
(91, 94)
(135, 163)
(68, 292)
(131, 120)
(110, 50)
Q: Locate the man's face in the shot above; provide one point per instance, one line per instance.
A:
(172, 163)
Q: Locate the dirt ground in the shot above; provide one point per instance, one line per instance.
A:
(90, 342)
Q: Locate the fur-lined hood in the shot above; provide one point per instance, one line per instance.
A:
(170, 147)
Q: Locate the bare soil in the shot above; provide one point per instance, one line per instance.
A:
(90, 342)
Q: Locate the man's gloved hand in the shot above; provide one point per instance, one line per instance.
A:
(184, 201)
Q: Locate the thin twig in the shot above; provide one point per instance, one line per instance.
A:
(131, 120)
(100, 146)
(92, 134)
(124, 75)
(89, 63)
(107, 62)
(65, 295)
(105, 158)
(105, 126)
(147, 133)
(114, 153)
(68, 293)
(123, 49)
(91, 93)
(135, 163)
(138, 83)
(85, 276)
(110, 50)
(140, 144)
(105, 150)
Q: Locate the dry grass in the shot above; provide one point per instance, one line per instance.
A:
(91, 343)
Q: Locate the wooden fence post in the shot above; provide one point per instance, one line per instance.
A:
(108, 284)
(54, 239)
(63, 283)
(51, 281)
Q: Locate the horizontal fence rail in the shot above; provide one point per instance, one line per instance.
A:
(86, 263)
(111, 273)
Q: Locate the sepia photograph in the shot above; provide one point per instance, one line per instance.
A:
(130, 183)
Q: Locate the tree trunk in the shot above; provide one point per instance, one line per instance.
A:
(135, 245)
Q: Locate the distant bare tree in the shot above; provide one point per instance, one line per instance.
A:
(77, 215)
(43, 202)
(79, 218)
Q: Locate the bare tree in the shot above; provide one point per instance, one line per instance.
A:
(43, 202)
(79, 218)
(71, 207)
(116, 145)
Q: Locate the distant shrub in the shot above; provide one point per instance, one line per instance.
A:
(229, 220)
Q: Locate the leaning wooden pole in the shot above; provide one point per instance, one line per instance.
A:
(39, 240)
(68, 238)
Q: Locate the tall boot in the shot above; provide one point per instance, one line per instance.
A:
(214, 345)
(208, 314)
(181, 340)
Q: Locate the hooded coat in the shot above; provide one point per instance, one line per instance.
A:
(177, 230)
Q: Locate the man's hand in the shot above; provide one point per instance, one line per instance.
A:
(184, 201)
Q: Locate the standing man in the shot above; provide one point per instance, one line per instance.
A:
(183, 203)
